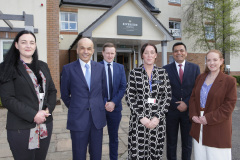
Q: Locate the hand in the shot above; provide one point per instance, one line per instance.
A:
(182, 106)
(40, 117)
(203, 120)
(145, 121)
(47, 113)
(196, 119)
(153, 123)
(110, 106)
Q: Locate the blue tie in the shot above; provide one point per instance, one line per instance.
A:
(88, 75)
(110, 88)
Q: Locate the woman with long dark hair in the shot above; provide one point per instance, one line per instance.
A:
(29, 94)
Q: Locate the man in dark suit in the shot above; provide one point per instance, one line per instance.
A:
(116, 85)
(182, 75)
(83, 84)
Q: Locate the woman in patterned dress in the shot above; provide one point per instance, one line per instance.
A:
(148, 95)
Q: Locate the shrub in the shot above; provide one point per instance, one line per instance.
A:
(238, 79)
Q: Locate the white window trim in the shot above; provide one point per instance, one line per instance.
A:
(1, 47)
(175, 32)
(76, 22)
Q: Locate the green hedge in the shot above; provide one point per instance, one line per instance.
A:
(238, 79)
(0, 103)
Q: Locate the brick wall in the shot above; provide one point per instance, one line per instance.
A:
(64, 58)
(8, 35)
(196, 58)
(53, 41)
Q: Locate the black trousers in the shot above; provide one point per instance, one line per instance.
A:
(18, 142)
(174, 120)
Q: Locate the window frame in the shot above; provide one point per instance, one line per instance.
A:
(68, 22)
(210, 32)
(174, 1)
(1, 47)
(171, 29)
(209, 4)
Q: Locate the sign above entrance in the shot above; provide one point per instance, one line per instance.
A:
(129, 25)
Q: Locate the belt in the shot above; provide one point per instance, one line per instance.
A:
(202, 109)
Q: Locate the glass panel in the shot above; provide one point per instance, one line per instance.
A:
(177, 25)
(64, 16)
(64, 26)
(209, 32)
(171, 24)
(209, 4)
(73, 17)
(175, 1)
(73, 26)
(6, 46)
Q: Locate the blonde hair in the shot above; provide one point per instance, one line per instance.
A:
(220, 56)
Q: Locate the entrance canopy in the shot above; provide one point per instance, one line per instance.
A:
(105, 28)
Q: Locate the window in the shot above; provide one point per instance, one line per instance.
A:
(68, 21)
(171, 59)
(4, 47)
(209, 4)
(175, 1)
(175, 28)
(209, 32)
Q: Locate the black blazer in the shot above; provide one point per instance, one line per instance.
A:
(182, 91)
(19, 97)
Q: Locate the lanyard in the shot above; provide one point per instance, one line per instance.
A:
(150, 80)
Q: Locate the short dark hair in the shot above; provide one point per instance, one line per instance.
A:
(178, 44)
(108, 44)
(148, 44)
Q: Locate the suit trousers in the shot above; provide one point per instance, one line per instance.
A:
(174, 119)
(81, 139)
(202, 152)
(18, 142)
(113, 122)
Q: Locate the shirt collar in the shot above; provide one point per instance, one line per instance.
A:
(82, 63)
(183, 64)
(106, 63)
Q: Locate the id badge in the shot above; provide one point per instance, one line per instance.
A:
(41, 96)
(151, 100)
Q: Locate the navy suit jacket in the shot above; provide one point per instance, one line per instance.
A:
(77, 97)
(119, 85)
(182, 91)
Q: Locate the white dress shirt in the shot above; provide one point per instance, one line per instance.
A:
(183, 65)
(83, 66)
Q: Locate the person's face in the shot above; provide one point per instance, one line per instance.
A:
(109, 54)
(214, 62)
(179, 53)
(26, 45)
(85, 49)
(149, 55)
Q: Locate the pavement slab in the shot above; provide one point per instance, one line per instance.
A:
(61, 145)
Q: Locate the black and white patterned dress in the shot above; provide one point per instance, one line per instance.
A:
(144, 143)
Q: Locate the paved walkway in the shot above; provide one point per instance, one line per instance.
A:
(60, 147)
